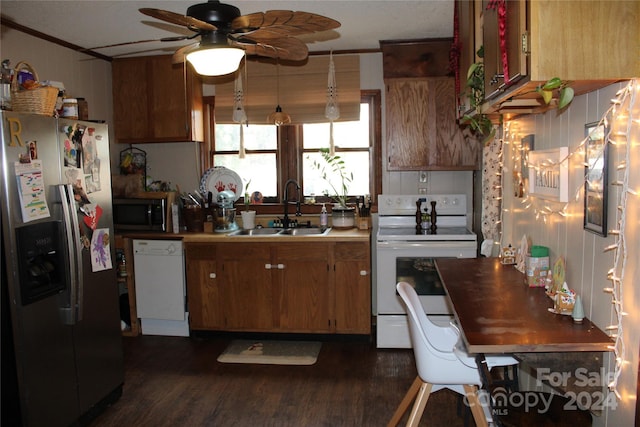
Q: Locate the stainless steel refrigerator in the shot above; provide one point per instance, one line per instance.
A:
(62, 358)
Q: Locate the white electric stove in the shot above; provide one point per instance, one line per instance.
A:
(405, 252)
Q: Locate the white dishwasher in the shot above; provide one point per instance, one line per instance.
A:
(160, 287)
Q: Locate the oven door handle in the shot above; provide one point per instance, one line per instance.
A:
(394, 245)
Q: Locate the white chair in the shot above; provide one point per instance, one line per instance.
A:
(441, 363)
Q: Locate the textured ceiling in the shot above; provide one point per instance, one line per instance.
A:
(91, 23)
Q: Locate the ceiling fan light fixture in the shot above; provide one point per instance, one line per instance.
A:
(215, 60)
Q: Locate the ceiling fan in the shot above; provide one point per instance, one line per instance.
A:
(225, 35)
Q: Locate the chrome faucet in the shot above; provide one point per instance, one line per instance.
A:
(285, 220)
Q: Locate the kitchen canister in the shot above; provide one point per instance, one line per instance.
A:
(70, 108)
(537, 267)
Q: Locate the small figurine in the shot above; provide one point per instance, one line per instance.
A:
(508, 255)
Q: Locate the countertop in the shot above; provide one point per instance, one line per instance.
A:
(351, 235)
(498, 313)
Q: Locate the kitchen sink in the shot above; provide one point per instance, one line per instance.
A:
(305, 231)
(256, 232)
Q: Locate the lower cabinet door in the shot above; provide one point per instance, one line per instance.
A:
(303, 286)
(245, 283)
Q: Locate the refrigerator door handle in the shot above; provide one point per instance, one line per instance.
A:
(73, 313)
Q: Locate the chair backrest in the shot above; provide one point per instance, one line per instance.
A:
(436, 364)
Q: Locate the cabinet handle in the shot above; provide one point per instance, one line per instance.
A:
(363, 272)
(495, 78)
(525, 43)
(270, 266)
(212, 275)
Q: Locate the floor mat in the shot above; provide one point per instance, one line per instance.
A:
(271, 352)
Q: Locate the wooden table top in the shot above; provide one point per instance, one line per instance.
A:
(498, 313)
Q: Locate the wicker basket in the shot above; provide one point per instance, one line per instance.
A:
(41, 100)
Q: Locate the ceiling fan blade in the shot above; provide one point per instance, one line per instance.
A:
(180, 55)
(164, 39)
(288, 48)
(284, 22)
(175, 18)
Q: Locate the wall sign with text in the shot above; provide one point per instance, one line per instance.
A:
(549, 174)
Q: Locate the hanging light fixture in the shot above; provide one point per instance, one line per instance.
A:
(239, 115)
(278, 117)
(332, 110)
(214, 56)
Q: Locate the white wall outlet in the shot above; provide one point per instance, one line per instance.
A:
(422, 176)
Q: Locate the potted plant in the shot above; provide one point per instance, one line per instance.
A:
(332, 165)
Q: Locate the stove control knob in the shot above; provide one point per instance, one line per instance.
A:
(454, 201)
(445, 201)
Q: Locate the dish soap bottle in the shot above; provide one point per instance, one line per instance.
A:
(324, 217)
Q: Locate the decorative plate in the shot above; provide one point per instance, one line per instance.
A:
(219, 179)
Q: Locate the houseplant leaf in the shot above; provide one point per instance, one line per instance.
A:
(566, 96)
(546, 95)
(551, 84)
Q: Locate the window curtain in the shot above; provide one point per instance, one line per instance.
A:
(302, 94)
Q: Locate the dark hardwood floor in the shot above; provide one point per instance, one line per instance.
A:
(173, 381)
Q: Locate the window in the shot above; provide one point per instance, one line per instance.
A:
(352, 145)
(274, 154)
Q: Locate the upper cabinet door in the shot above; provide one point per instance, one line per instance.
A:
(156, 101)
(515, 39)
(584, 43)
(422, 132)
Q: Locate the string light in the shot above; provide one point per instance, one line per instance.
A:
(624, 115)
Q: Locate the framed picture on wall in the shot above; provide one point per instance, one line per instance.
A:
(549, 174)
(596, 179)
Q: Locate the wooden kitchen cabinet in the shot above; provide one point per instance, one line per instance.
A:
(304, 287)
(353, 288)
(470, 40)
(590, 44)
(311, 287)
(156, 101)
(246, 287)
(422, 132)
(516, 24)
(203, 294)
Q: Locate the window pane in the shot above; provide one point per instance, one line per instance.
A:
(345, 134)
(256, 137)
(355, 162)
(259, 168)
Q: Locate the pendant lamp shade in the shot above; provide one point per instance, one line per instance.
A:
(279, 117)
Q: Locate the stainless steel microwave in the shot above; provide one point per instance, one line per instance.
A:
(140, 214)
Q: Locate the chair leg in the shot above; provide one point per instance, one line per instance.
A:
(406, 401)
(420, 403)
(471, 391)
